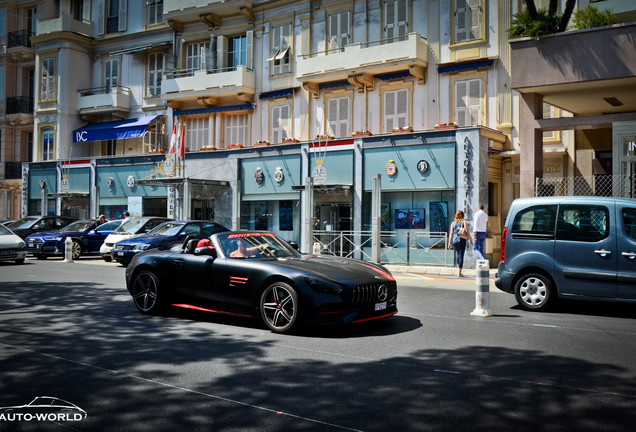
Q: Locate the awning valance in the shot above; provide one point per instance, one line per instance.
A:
(122, 129)
(277, 93)
(465, 66)
(240, 107)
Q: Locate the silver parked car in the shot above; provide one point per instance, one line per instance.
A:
(569, 247)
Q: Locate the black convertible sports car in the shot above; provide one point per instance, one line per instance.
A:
(251, 274)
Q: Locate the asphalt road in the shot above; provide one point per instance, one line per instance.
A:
(71, 331)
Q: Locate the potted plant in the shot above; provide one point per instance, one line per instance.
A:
(261, 143)
(155, 150)
(234, 146)
(450, 125)
(361, 133)
(208, 148)
(291, 141)
(402, 129)
(324, 137)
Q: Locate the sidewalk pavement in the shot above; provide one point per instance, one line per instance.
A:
(435, 270)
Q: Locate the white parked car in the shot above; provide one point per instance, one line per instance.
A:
(12, 247)
(132, 226)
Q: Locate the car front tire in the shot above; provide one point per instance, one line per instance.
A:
(76, 249)
(279, 307)
(534, 292)
(146, 292)
(107, 258)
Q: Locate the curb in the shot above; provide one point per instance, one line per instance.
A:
(435, 270)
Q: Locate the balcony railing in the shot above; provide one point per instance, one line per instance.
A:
(19, 105)
(104, 100)
(12, 170)
(19, 38)
(187, 83)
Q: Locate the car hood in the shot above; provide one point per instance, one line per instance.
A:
(117, 237)
(54, 234)
(335, 269)
(152, 240)
(10, 241)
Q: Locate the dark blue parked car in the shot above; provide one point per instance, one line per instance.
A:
(163, 236)
(87, 236)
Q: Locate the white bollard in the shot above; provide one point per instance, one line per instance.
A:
(316, 248)
(68, 250)
(482, 289)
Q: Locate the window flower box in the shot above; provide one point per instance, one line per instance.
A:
(208, 148)
(443, 126)
(156, 151)
(324, 137)
(291, 141)
(363, 133)
(235, 146)
(402, 129)
(262, 143)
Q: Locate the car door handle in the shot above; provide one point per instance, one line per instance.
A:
(630, 255)
(603, 252)
(179, 261)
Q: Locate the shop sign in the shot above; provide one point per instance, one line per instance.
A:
(259, 177)
(391, 168)
(319, 173)
(278, 175)
(65, 187)
(130, 182)
(110, 182)
(422, 166)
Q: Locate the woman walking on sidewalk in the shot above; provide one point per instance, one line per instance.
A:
(457, 237)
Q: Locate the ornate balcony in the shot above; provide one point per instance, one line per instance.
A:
(19, 46)
(19, 110)
(207, 87)
(104, 102)
(360, 62)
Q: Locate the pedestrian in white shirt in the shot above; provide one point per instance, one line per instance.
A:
(480, 226)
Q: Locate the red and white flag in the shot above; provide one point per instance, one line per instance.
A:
(182, 141)
(173, 138)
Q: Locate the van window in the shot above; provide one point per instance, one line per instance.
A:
(584, 223)
(629, 221)
(538, 219)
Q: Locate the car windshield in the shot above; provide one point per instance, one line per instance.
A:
(255, 245)
(78, 226)
(4, 230)
(167, 229)
(131, 226)
(23, 223)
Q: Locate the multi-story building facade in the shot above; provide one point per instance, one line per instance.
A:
(332, 92)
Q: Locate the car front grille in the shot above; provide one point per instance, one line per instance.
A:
(123, 247)
(368, 293)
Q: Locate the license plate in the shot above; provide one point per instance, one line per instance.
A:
(380, 306)
(120, 254)
(6, 253)
(31, 245)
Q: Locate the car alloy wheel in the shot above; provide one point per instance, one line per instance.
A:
(145, 292)
(534, 292)
(279, 307)
(76, 249)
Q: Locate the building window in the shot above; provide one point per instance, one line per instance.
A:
(111, 74)
(110, 148)
(77, 9)
(236, 52)
(195, 55)
(280, 55)
(550, 111)
(396, 109)
(236, 129)
(156, 64)
(396, 24)
(469, 17)
(338, 36)
(48, 75)
(338, 117)
(155, 12)
(281, 121)
(197, 133)
(48, 144)
(468, 102)
(116, 16)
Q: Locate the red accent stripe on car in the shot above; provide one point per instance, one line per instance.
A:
(187, 306)
(383, 273)
(238, 280)
(375, 318)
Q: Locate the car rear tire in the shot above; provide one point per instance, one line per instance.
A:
(76, 249)
(40, 256)
(19, 261)
(107, 258)
(146, 292)
(534, 292)
(279, 307)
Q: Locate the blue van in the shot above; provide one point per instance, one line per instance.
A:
(569, 247)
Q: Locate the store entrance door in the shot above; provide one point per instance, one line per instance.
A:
(333, 217)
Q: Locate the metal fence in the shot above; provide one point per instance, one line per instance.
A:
(619, 186)
(396, 247)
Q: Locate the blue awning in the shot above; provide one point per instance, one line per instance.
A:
(241, 107)
(460, 67)
(122, 129)
(277, 93)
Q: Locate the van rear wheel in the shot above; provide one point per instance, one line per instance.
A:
(534, 292)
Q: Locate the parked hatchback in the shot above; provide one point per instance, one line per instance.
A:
(569, 247)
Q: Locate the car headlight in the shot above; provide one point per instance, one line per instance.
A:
(141, 247)
(322, 286)
(57, 238)
(21, 245)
